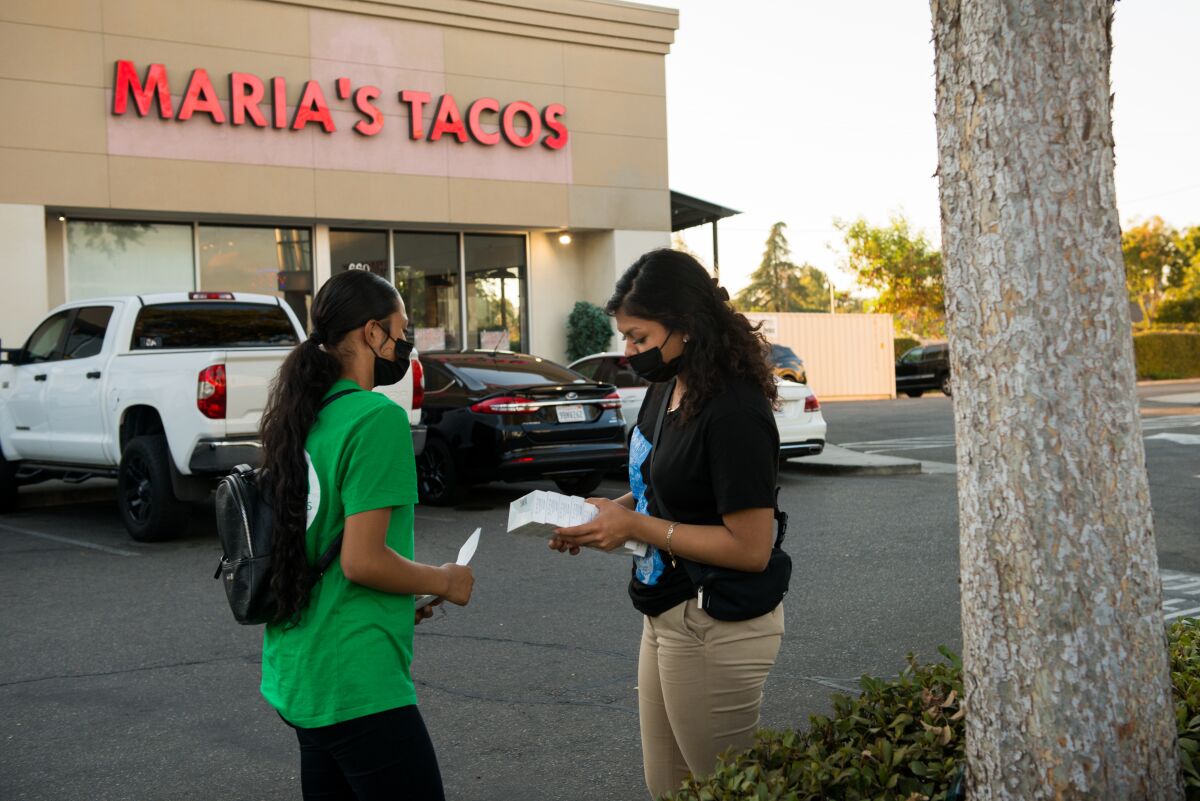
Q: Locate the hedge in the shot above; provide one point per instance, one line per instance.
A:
(903, 739)
(588, 331)
(1167, 354)
(1179, 310)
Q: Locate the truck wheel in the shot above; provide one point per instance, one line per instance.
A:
(582, 486)
(437, 475)
(8, 485)
(149, 509)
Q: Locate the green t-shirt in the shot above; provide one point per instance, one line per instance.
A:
(349, 655)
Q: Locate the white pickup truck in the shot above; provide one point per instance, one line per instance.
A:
(162, 392)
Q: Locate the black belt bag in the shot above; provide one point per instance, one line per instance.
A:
(728, 594)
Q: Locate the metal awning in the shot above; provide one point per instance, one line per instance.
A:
(688, 211)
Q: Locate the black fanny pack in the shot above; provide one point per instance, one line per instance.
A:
(728, 594)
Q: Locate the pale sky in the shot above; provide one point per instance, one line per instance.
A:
(803, 111)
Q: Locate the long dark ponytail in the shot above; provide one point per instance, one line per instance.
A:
(672, 288)
(345, 303)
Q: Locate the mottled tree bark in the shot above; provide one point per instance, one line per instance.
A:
(1067, 683)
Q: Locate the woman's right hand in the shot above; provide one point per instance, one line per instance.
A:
(460, 581)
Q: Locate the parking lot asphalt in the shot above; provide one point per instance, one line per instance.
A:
(123, 675)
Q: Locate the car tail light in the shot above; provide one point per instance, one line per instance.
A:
(505, 405)
(418, 374)
(210, 296)
(210, 392)
(611, 401)
(811, 404)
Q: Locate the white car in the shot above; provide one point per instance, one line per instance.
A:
(799, 420)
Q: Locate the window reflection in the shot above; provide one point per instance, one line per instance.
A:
(495, 268)
(266, 261)
(427, 278)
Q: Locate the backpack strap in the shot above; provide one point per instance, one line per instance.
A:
(335, 396)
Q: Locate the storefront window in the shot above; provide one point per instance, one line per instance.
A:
(120, 258)
(358, 250)
(266, 261)
(427, 278)
(495, 267)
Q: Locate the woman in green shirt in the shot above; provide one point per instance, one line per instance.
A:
(336, 662)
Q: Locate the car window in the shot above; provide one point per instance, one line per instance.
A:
(624, 377)
(933, 353)
(912, 356)
(510, 371)
(437, 379)
(212, 325)
(86, 337)
(588, 368)
(43, 345)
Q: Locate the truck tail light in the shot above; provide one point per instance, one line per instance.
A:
(418, 374)
(210, 392)
(210, 296)
(611, 401)
(505, 405)
(811, 404)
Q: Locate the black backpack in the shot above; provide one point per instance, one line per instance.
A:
(245, 528)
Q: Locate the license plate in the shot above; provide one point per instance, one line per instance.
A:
(571, 414)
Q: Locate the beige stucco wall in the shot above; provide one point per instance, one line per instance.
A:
(603, 61)
(23, 232)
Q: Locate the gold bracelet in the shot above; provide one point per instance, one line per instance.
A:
(670, 532)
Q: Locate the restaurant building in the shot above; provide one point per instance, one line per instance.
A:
(497, 161)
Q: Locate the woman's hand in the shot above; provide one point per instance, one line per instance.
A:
(611, 528)
(460, 581)
(426, 611)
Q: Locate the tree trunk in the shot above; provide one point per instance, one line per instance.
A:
(1067, 682)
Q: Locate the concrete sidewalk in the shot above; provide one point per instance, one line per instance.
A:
(836, 460)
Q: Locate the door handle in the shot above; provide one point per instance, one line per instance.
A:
(94, 374)
(40, 377)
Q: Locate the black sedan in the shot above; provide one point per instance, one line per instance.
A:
(496, 416)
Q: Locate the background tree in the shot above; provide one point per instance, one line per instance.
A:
(1066, 674)
(780, 285)
(1154, 264)
(588, 331)
(903, 268)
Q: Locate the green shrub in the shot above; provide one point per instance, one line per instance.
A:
(1167, 354)
(1179, 310)
(903, 345)
(903, 739)
(588, 331)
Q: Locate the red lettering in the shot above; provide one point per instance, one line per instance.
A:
(416, 102)
(448, 120)
(313, 108)
(474, 128)
(245, 93)
(343, 88)
(510, 129)
(362, 101)
(557, 140)
(279, 102)
(201, 97)
(156, 87)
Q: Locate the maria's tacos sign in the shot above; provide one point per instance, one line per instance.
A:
(263, 104)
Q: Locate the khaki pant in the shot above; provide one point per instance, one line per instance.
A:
(700, 686)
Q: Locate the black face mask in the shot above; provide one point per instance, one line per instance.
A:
(649, 364)
(392, 371)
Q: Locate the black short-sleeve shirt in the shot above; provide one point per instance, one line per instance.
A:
(723, 460)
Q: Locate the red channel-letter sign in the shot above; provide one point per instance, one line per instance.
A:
(156, 87)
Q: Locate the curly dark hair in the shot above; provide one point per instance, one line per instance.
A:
(672, 288)
(346, 302)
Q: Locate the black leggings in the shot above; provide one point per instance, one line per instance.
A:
(387, 755)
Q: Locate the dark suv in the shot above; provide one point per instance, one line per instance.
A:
(496, 416)
(923, 368)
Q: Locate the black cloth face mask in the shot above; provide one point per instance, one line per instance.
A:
(649, 364)
(392, 371)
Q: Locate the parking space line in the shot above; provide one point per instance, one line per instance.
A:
(68, 541)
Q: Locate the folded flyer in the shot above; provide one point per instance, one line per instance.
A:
(540, 512)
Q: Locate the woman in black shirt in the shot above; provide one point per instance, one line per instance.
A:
(702, 489)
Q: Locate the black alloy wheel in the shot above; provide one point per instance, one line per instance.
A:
(583, 485)
(914, 393)
(437, 475)
(146, 499)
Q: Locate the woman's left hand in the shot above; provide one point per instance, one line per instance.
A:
(608, 530)
(426, 611)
